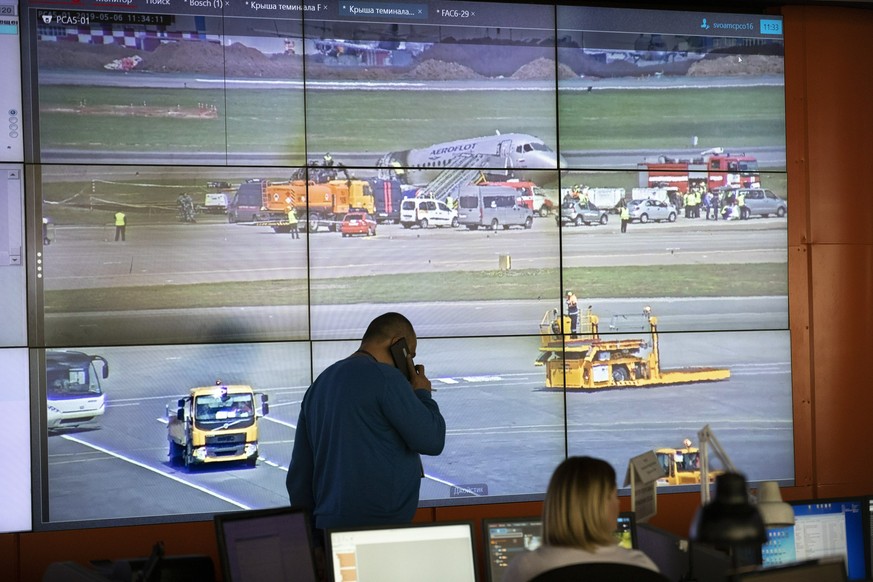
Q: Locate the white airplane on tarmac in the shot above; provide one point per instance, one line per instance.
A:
(516, 155)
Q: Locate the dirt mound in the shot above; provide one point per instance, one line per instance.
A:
(77, 56)
(543, 69)
(738, 65)
(485, 58)
(205, 58)
(434, 70)
(183, 57)
(442, 62)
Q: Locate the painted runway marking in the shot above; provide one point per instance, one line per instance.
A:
(154, 470)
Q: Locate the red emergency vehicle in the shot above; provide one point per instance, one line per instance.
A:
(713, 168)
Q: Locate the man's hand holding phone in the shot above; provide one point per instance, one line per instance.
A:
(403, 361)
(419, 381)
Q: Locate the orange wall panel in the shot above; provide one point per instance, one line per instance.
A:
(839, 91)
(842, 321)
(9, 556)
(38, 550)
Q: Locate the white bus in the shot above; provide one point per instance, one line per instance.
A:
(73, 392)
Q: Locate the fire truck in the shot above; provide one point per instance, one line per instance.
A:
(713, 168)
(583, 360)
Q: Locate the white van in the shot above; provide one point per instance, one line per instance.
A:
(492, 207)
(426, 212)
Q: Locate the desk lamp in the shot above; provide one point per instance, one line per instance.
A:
(729, 522)
(774, 511)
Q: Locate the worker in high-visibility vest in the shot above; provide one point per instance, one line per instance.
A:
(625, 217)
(120, 225)
(293, 222)
(573, 312)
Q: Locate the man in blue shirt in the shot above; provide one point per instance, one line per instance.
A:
(361, 428)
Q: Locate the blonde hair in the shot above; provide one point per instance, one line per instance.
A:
(575, 511)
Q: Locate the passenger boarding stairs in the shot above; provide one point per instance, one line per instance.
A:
(463, 169)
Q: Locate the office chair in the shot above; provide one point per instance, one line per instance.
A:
(600, 572)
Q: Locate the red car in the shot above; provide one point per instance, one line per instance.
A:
(358, 223)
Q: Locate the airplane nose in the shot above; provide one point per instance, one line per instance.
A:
(546, 161)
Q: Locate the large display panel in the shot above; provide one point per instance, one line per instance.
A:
(129, 435)
(15, 432)
(670, 85)
(13, 316)
(459, 75)
(466, 164)
(739, 383)
(11, 136)
(179, 273)
(169, 83)
(709, 271)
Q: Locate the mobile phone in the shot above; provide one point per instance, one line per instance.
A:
(400, 354)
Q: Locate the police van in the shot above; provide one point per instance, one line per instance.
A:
(246, 204)
(492, 207)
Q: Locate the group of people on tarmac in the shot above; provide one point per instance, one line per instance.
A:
(579, 193)
(716, 205)
(691, 201)
(185, 205)
(732, 208)
(329, 170)
(322, 172)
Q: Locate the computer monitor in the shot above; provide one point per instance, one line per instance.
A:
(626, 530)
(505, 538)
(266, 544)
(870, 537)
(680, 559)
(822, 528)
(431, 552)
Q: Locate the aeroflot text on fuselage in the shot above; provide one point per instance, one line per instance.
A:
(433, 154)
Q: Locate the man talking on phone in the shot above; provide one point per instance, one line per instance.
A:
(363, 424)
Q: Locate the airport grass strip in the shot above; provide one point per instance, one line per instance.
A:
(729, 280)
(382, 121)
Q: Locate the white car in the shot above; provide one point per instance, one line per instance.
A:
(647, 209)
(426, 212)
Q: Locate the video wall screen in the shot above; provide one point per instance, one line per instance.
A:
(16, 432)
(13, 317)
(583, 211)
(11, 137)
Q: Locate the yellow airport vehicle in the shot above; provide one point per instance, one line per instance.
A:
(587, 361)
(216, 424)
(681, 465)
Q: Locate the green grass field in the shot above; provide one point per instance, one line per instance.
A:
(378, 121)
(272, 121)
(765, 279)
(728, 117)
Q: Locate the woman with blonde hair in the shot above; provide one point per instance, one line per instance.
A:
(580, 514)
